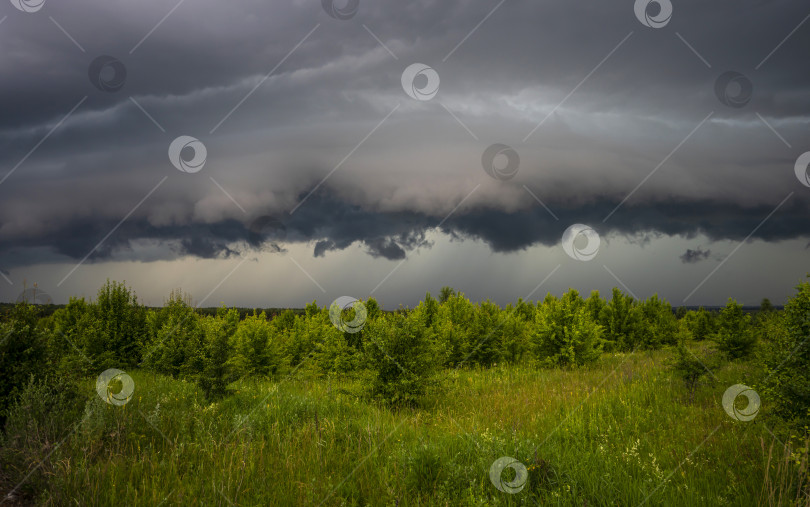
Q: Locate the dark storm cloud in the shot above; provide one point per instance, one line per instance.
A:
(332, 225)
(694, 256)
(331, 91)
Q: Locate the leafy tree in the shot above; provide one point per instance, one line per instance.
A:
(452, 329)
(400, 358)
(687, 365)
(659, 325)
(700, 323)
(373, 309)
(445, 294)
(255, 352)
(787, 359)
(176, 345)
(565, 333)
(514, 334)
(524, 310)
(766, 306)
(73, 328)
(334, 354)
(23, 353)
(735, 336)
(595, 305)
(486, 334)
(622, 322)
(307, 333)
(218, 371)
(121, 324)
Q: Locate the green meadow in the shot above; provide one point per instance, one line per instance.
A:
(633, 427)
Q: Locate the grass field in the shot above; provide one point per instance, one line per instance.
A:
(622, 432)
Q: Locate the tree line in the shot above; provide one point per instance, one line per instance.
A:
(399, 354)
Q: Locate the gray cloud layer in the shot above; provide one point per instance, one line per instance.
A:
(296, 126)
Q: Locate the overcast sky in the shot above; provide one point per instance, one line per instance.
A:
(335, 166)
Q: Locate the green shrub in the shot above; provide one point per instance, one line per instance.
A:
(256, 352)
(565, 333)
(735, 336)
(23, 352)
(787, 359)
(218, 372)
(700, 323)
(687, 366)
(659, 326)
(177, 342)
(41, 416)
(400, 358)
(622, 322)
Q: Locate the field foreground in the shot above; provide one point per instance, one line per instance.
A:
(623, 431)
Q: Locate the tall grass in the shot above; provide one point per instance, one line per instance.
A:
(623, 431)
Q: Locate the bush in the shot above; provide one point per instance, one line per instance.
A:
(121, 324)
(452, 329)
(659, 325)
(256, 352)
(400, 358)
(565, 334)
(218, 372)
(43, 414)
(787, 359)
(735, 336)
(177, 342)
(23, 352)
(687, 366)
(701, 324)
(622, 322)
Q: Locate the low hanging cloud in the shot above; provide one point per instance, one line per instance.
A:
(694, 256)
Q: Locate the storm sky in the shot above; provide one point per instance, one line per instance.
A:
(673, 138)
